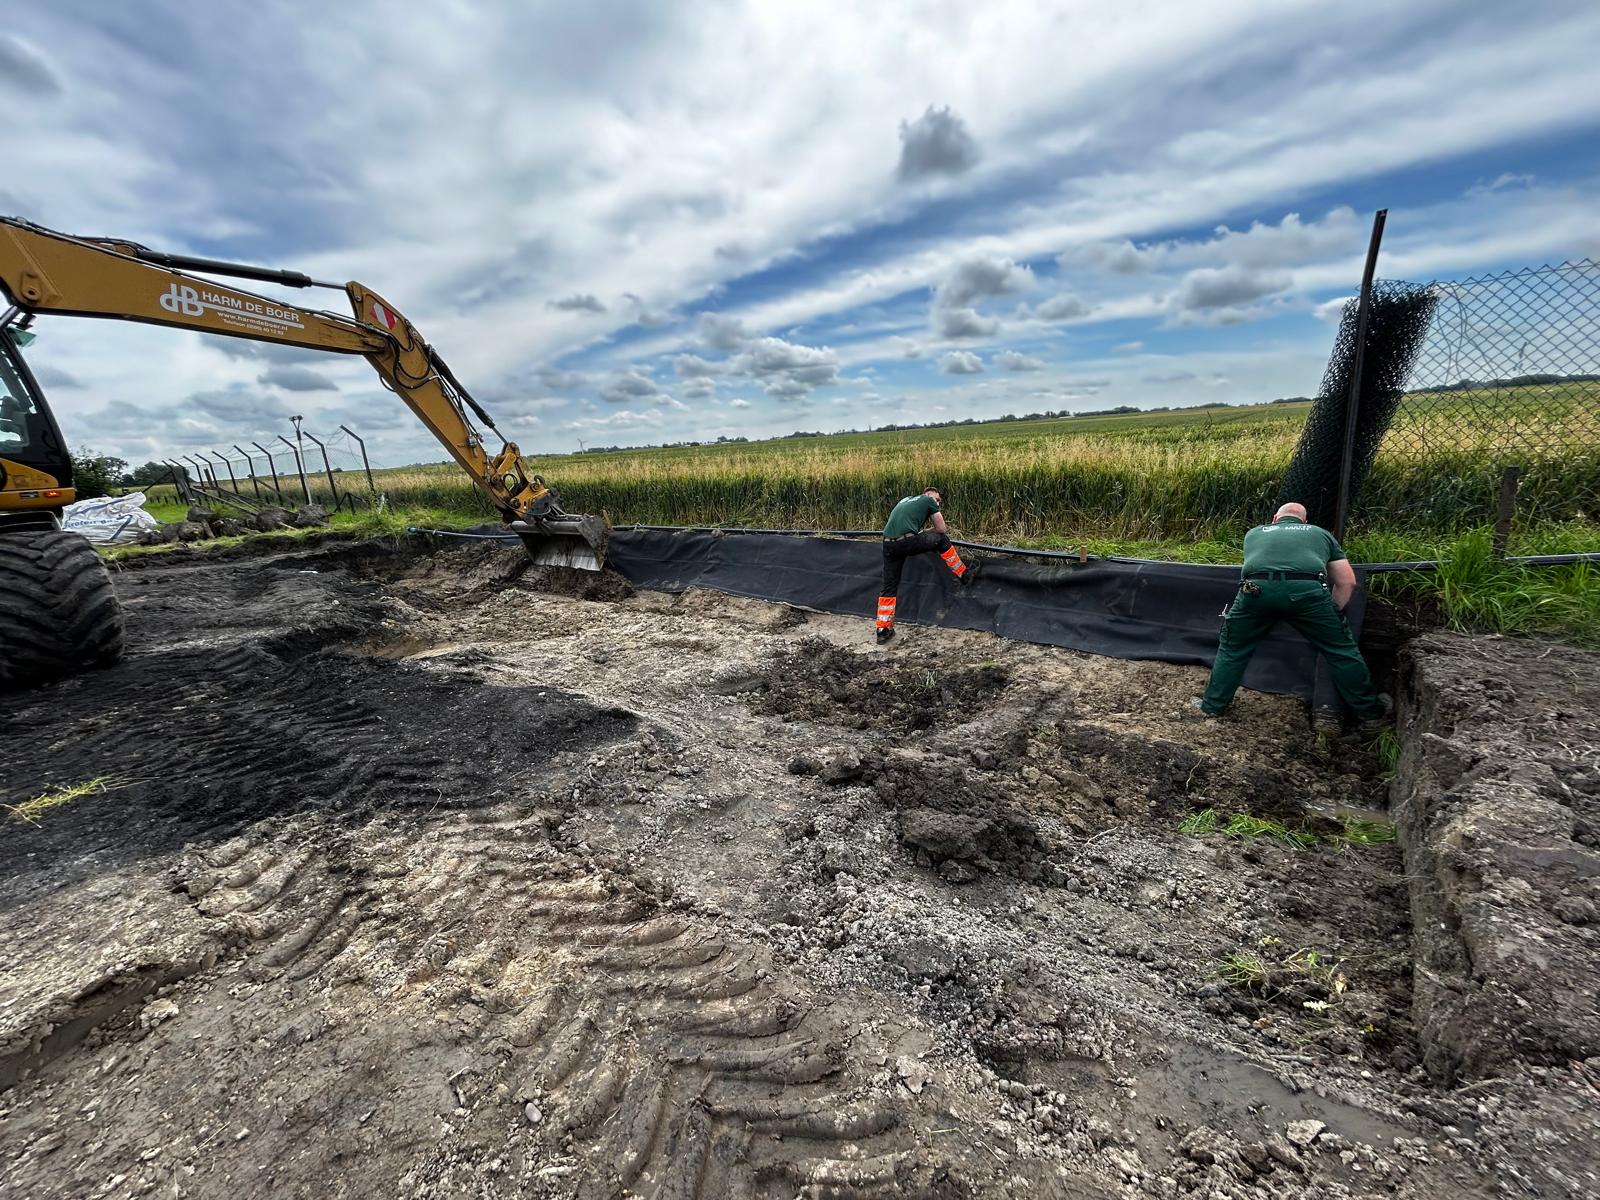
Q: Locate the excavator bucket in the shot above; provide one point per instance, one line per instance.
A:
(565, 541)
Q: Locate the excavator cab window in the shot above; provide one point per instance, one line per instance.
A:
(28, 432)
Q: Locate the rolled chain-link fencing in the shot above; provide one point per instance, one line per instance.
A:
(1461, 381)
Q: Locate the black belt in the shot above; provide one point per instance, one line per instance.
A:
(1319, 576)
(901, 538)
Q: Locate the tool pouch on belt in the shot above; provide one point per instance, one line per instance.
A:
(1250, 587)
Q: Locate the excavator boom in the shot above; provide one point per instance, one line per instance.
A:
(43, 271)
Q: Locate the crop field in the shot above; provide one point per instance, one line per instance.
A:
(1186, 476)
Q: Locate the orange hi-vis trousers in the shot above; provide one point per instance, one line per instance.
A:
(895, 554)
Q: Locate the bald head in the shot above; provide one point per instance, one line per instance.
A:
(1297, 511)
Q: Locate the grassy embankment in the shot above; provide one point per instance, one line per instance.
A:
(1182, 485)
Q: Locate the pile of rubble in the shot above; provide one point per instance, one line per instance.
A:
(202, 523)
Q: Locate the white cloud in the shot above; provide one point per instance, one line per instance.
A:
(787, 389)
(977, 278)
(292, 378)
(50, 377)
(561, 381)
(722, 333)
(1060, 307)
(738, 402)
(1012, 360)
(1506, 179)
(578, 302)
(645, 314)
(1332, 311)
(788, 370)
(698, 389)
(963, 323)
(1127, 348)
(1227, 287)
(632, 384)
(25, 70)
(692, 366)
(1288, 242)
(960, 362)
(936, 143)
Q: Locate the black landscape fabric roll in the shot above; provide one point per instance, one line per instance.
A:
(1166, 612)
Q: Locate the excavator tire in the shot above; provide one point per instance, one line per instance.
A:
(58, 611)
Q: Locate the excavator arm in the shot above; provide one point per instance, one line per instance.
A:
(46, 272)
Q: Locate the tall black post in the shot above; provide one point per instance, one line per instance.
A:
(300, 456)
(180, 480)
(229, 466)
(367, 466)
(273, 464)
(299, 465)
(1353, 406)
(254, 482)
(327, 468)
(200, 471)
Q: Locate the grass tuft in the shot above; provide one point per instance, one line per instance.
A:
(1387, 747)
(1249, 828)
(1242, 969)
(1358, 832)
(31, 810)
(1197, 823)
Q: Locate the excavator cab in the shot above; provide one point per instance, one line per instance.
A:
(35, 465)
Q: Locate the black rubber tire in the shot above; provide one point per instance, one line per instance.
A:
(58, 610)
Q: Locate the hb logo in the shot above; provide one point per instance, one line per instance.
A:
(183, 300)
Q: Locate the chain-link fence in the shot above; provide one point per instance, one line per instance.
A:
(1505, 378)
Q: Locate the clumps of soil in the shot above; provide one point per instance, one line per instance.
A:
(815, 680)
(959, 820)
(952, 817)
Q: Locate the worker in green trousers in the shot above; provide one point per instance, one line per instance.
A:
(1298, 573)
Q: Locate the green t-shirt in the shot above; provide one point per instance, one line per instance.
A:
(910, 515)
(1289, 544)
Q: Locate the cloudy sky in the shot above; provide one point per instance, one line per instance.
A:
(625, 222)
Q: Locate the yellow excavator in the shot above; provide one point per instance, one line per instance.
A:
(58, 611)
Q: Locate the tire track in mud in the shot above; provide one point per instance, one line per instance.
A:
(344, 817)
(677, 1060)
(690, 1065)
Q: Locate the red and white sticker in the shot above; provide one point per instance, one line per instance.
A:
(383, 316)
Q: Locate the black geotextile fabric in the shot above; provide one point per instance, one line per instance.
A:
(1168, 612)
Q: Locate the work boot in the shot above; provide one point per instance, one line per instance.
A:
(1197, 708)
(1372, 726)
(970, 573)
(885, 636)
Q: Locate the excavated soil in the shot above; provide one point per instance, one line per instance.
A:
(424, 873)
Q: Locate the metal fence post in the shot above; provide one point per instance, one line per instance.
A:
(180, 480)
(366, 466)
(1353, 406)
(300, 456)
(228, 466)
(327, 467)
(299, 465)
(273, 464)
(254, 482)
(201, 473)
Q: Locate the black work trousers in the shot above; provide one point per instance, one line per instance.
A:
(896, 552)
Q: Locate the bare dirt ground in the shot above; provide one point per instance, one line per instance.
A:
(432, 876)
